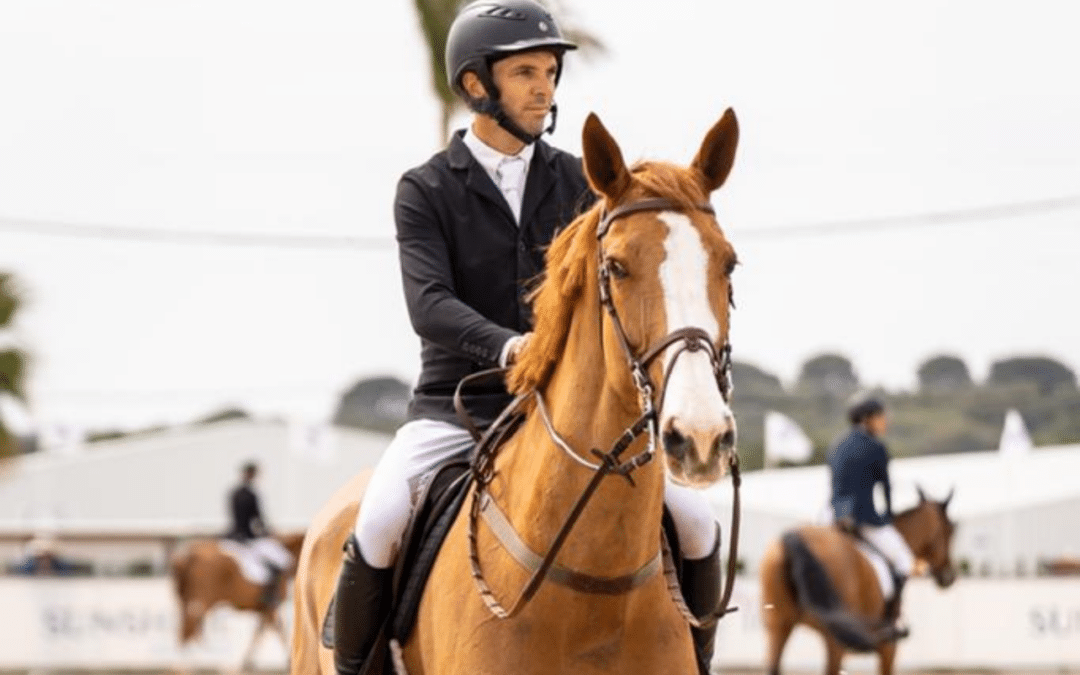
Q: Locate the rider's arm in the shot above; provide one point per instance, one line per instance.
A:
(257, 518)
(436, 312)
(882, 466)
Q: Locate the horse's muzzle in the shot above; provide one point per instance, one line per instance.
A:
(698, 457)
(945, 577)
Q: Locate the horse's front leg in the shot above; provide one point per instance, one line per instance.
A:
(249, 655)
(279, 628)
(834, 656)
(886, 658)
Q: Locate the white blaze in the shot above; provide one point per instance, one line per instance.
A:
(693, 395)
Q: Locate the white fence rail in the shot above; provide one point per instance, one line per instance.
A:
(1031, 624)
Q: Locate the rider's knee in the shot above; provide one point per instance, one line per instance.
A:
(694, 522)
(379, 528)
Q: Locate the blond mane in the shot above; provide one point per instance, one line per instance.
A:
(567, 266)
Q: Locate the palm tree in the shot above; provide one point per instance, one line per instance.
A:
(12, 360)
(435, 19)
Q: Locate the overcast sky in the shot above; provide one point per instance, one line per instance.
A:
(297, 118)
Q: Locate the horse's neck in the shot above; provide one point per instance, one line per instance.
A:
(619, 530)
(911, 527)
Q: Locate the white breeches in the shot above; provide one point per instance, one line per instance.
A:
(421, 445)
(271, 551)
(888, 540)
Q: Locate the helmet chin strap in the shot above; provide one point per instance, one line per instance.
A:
(492, 108)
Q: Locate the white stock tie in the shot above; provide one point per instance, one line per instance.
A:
(511, 172)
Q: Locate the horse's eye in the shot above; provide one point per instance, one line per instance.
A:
(617, 269)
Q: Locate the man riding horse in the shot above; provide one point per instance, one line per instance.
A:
(250, 528)
(858, 463)
(472, 225)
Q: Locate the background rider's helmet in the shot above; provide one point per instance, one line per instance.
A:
(484, 32)
(864, 406)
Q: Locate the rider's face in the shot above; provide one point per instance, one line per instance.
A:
(526, 85)
(877, 424)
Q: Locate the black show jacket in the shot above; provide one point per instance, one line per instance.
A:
(466, 265)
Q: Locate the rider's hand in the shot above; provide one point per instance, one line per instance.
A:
(847, 524)
(518, 348)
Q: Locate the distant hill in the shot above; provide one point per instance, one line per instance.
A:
(376, 404)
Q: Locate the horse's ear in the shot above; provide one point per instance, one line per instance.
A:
(922, 495)
(717, 152)
(604, 165)
(945, 504)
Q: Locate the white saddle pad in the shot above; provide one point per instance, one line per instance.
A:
(248, 560)
(881, 569)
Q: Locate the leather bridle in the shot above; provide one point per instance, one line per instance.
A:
(687, 339)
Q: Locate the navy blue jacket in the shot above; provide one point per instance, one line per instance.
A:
(858, 463)
(465, 266)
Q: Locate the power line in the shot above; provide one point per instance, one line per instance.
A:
(192, 237)
(982, 214)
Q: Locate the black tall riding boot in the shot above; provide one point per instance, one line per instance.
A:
(894, 631)
(269, 597)
(701, 590)
(363, 600)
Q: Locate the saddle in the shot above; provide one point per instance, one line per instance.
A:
(442, 493)
(889, 579)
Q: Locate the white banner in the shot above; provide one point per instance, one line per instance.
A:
(117, 623)
(131, 623)
(992, 624)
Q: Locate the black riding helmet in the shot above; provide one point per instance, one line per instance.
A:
(864, 407)
(484, 32)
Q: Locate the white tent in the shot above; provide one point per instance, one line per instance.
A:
(1012, 514)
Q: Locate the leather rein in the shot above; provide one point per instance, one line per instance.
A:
(687, 339)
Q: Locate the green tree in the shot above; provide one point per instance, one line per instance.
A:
(829, 374)
(435, 19)
(944, 373)
(748, 378)
(1046, 374)
(12, 360)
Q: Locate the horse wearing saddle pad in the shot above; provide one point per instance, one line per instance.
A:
(441, 494)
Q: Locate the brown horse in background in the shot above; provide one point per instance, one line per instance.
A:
(204, 575)
(928, 532)
(665, 265)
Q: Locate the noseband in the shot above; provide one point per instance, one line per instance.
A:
(686, 339)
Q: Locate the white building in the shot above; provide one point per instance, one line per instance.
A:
(119, 501)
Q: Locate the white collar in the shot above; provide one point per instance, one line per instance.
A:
(489, 158)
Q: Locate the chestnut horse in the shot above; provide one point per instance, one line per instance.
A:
(204, 575)
(928, 532)
(631, 334)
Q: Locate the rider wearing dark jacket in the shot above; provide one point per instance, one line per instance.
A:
(858, 464)
(472, 226)
(247, 520)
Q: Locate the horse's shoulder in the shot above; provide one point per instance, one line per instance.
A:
(338, 511)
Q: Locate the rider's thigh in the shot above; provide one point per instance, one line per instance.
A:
(418, 446)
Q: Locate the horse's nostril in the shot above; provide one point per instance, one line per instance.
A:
(727, 440)
(675, 444)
